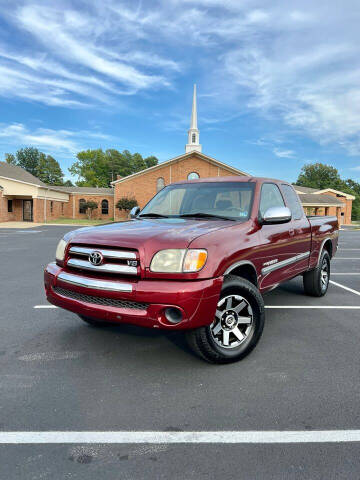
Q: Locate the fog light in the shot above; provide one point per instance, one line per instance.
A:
(173, 315)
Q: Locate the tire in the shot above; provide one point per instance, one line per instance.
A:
(237, 326)
(316, 282)
(94, 322)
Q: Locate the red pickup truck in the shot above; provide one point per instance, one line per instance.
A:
(197, 257)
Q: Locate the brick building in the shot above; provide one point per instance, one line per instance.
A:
(326, 202)
(25, 197)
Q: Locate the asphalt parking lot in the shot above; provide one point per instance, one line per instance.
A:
(58, 374)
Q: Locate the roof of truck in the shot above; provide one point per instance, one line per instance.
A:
(231, 178)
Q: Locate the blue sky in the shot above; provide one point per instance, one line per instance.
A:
(278, 82)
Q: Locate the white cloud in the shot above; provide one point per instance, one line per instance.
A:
(356, 168)
(65, 142)
(284, 153)
(295, 63)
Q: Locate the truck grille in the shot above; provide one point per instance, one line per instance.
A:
(107, 302)
(103, 260)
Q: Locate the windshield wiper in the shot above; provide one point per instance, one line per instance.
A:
(153, 215)
(205, 215)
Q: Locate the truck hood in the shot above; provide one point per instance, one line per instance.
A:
(147, 234)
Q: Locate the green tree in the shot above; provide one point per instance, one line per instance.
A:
(126, 203)
(318, 175)
(49, 170)
(28, 158)
(90, 206)
(10, 158)
(96, 168)
(42, 166)
(68, 183)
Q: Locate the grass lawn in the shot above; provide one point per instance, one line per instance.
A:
(77, 221)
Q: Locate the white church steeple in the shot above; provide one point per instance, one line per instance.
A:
(193, 133)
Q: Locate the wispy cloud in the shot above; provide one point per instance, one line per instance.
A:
(296, 64)
(283, 153)
(65, 142)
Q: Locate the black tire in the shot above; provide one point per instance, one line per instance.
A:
(207, 345)
(316, 282)
(94, 322)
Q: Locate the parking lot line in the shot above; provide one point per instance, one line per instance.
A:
(345, 273)
(269, 306)
(45, 306)
(344, 287)
(345, 258)
(230, 437)
(311, 307)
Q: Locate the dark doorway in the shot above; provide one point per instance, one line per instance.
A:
(27, 210)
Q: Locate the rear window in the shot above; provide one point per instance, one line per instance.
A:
(292, 201)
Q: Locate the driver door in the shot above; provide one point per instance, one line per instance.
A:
(275, 240)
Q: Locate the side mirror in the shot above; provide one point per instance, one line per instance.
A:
(134, 212)
(276, 215)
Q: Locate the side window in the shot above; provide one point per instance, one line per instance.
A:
(292, 201)
(82, 203)
(270, 197)
(104, 207)
(160, 184)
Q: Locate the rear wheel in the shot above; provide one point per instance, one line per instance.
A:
(237, 326)
(316, 282)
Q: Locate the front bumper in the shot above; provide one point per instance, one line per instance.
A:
(196, 300)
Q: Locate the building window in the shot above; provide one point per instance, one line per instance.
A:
(105, 207)
(51, 207)
(160, 184)
(193, 138)
(62, 208)
(193, 176)
(10, 206)
(82, 203)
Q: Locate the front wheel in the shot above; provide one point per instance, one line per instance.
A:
(237, 326)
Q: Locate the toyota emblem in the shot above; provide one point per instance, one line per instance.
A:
(96, 258)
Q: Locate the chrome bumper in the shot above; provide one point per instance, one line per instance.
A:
(93, 283)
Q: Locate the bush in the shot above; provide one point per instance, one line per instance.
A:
(126, 203)
(89, 207)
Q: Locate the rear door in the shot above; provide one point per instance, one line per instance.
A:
(301, 243)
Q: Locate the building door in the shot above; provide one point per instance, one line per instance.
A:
(27, 210)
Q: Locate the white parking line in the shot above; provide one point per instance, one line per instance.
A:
(344, 287)
(269, 306)
(345, 258)
(345, 273)
(348, 249)
(45, 306)
(311, 307)
(234, 437)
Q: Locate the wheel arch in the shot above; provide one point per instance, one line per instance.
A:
(326, 245)
(244, 269)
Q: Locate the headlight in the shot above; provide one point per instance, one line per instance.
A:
(178, 260)
(60, 250)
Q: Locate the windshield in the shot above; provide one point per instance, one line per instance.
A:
(227, 200)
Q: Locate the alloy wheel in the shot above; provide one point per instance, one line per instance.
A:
(324, 275)
(233, 321)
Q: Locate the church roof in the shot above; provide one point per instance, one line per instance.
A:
(201, 155)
